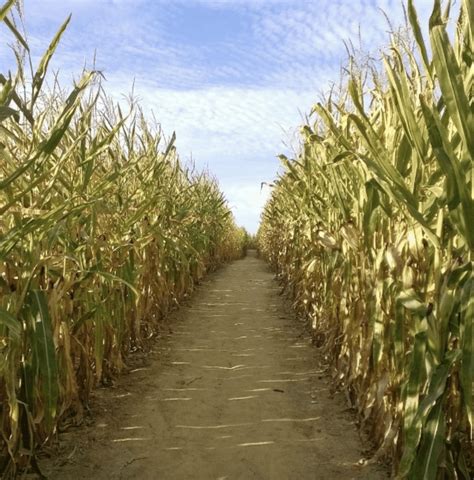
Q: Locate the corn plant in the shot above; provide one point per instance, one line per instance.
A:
(371, 228)
(102, 232)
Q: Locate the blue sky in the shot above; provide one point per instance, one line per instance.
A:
(233, 78)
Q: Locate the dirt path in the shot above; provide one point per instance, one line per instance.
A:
(234, 392)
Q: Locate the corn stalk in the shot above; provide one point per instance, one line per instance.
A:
(102, 232)
(371, 228)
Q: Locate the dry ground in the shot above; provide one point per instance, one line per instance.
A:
(234, 391)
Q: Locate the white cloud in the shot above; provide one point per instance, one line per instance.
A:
(245, 200)
(233, 113)
(218, 123)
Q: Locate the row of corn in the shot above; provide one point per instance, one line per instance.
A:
(102, 231)
(371, 227)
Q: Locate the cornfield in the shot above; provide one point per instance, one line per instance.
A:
(102, 232)
(371, 229)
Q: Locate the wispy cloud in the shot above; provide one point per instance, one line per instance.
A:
(231, 77)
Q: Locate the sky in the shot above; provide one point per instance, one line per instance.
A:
(233, 78)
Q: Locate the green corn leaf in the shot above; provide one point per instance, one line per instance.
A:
(9, 321)
(415, 25)
(17, 34)
(450, 80)
(40, 74)
(9, 92)
(457, 190)
(411, 301)
(114, 278)
(412, 430)
(42, 338)
(6, 112)
(61, 127)
(6, 8)
(467, 365)
(427, 460)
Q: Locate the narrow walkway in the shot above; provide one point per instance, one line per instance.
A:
(234, 392)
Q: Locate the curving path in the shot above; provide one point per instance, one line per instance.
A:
(233, 392)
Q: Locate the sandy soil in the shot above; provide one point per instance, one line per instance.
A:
(234, 391)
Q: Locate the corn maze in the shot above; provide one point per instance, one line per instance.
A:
(370, 229)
